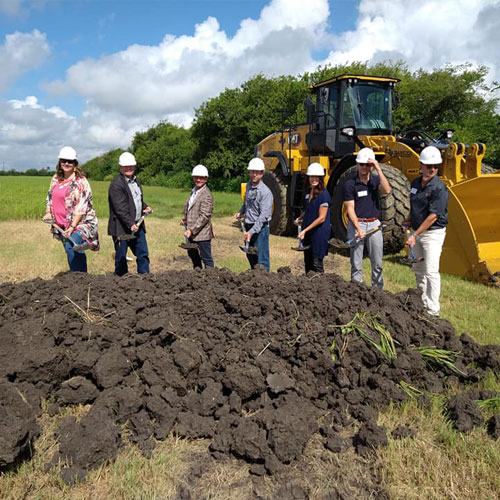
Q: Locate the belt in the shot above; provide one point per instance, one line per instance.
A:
(372, 219)
(249, 225)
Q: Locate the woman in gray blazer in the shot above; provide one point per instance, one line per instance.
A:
(198, 211)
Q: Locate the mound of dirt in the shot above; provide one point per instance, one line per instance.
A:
(258, 363)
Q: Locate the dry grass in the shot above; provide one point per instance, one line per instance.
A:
(30, 251)
(440, 463)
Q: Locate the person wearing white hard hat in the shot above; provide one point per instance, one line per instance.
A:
(257, 210)
(198, 211)
(315, 220)
(362, 201)
(126, 210)
(428, 220)
(69, 206)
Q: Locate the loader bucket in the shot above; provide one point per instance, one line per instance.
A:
(472, 245)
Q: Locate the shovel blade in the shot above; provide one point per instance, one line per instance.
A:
(126, 237)
(189, 246)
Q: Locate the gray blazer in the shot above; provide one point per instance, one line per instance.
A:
(199, 216)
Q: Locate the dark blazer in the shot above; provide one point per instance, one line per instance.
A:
(122, 207)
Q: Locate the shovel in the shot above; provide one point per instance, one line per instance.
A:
(408, 261)
(337, 243)
(301, 246)
(76, 246)
(250, 250)
(133, 234)
(188, 245)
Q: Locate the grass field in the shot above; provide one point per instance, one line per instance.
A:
(23, 198)
(439, 463)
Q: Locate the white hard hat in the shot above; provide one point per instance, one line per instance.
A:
(67, 153)
(431, 156)
(256, 164)
(315, 169)
(200, 171)
(364, 155)
(127, 160)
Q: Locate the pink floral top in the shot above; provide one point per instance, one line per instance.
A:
(78, 200)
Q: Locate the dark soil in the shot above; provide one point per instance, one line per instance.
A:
(242, 360)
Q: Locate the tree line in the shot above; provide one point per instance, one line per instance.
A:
(226, 128)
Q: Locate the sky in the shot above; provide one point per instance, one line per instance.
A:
(91, 73)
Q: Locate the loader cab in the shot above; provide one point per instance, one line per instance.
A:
(363, 101)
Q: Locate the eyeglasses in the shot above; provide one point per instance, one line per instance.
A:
(70, 162)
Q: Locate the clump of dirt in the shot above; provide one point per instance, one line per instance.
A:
(258, 363)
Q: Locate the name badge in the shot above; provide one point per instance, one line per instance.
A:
(413, 191)
(362, 193)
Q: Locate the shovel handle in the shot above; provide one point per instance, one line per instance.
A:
(60, 230)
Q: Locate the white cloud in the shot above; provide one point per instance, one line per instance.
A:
(21, 52)
(20, 7)
(181, 72)
(425, 34)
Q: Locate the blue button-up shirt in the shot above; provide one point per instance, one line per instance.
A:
(258, 206)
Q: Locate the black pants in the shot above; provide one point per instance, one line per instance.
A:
(313, 263)
(203, 254)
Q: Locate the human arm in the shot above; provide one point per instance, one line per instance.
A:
(265, 210)
(322, 213)
(118, 200)
(206, 209)
(384, 186)
(351, 214)
(426, 224)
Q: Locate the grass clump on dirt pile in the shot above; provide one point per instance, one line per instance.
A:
(240, 359)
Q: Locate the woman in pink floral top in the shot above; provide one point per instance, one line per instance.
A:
(69, 205)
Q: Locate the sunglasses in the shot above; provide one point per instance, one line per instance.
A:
(70, 162)
(365, 164)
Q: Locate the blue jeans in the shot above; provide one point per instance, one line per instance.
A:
(261, 241)
(203, 254)
(77, 260)
(139, 247)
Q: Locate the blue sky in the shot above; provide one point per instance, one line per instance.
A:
(91, 73)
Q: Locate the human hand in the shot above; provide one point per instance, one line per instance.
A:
(247, 236)
(359, 235)
(188, 233)
(147, 210)
(134, 228)
(374, 164)
(47, 217)
(412, 239)
(237, 215)
(67, 232)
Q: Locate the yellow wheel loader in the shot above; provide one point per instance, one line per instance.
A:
(350, 112)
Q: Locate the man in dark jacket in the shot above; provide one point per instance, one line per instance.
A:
(126, 209)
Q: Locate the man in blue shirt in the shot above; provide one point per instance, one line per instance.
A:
(361, 197)
(257, 210)
(428, 220)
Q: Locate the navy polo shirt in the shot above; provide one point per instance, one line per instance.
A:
(366, 196)
(432, 199)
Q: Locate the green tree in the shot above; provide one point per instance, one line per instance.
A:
(103, 167)
(163, 150)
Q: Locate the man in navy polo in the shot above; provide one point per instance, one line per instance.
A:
(362, 200)
(428, 221)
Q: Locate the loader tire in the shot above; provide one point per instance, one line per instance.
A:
(281, 222)
(394, 207)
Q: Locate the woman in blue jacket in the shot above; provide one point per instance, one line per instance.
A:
(315, 220)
